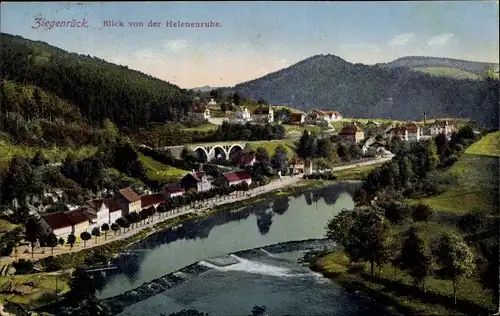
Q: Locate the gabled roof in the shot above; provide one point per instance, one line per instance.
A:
(173, 188)
(151, 199)
(237, 176)
(262, 110)
(197, 175)
(57, 220)
(412, 127)
(112, 205)
(77, 216)
(130, 195)
(350, 129)
(95, 204)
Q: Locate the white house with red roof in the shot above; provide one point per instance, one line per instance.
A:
(115, 211)
(151, 200)
(173, 190)
(128, 200)
(234, 178)
(197, 180)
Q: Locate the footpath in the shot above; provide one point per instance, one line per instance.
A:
(24, 252)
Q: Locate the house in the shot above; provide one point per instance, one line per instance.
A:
(244, 159)
(57, 223)
(202, 113)
(173, 190)
(297, 166)
(328, 116)
(413, 131)
(98, 211)
(152, 200)
(128, 200)
(212, 102)
(408, 132)
(352, 133)
(297, 118)
(398, 132)
(441, 127)
(235, 178)
(197, 180)
(264, 114)
(115, 211)
(63, 224)
(243, 116)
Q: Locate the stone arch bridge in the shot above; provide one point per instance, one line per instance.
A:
(209, 151)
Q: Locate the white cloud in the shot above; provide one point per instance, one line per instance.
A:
(402, 39)
(441, 39)
(177, 45)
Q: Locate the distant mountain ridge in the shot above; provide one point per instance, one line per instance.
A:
(204, 89)
(383, 90)
(475, 67)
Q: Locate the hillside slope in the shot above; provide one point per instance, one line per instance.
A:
(99, 89)
(356, 90)
(475, 67)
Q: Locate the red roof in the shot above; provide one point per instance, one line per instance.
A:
(112, 205)
(151, 199)
(77, 216)
(96, 204)
(57, 220)
(350, 129)
(412, 127)
(261, 110)
(197, 175)
(237, 176)
(173, 189)
(130, 195)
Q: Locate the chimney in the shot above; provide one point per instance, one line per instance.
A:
(425, 117)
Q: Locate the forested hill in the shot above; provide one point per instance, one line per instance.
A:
(475, 67)
(97, 88)
(357, 90)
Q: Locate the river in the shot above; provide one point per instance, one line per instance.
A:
(275, 280)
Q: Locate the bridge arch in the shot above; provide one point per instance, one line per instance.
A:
(218, 152)
(201, 154)
(233, 149)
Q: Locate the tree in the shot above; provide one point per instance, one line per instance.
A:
(51, 241)
(71, 240)
(421, 212)
(262, 154)
(38, 159)
(115, 227)
(85, 236)
(405, 172)
(395, 211)
(61, 241)
(123, 222)
(236, 99)
(324, 148)
(455, 258)
(305, 147)
(188, 155)
(473, 222)
(105, 229)
(415, 257)
(364, 234)
(33, 232)
(279, 160)
(81, 287)
(96, 232)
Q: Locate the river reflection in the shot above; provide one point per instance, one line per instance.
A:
(263, 223)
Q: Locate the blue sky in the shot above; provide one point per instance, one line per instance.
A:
(261, 37)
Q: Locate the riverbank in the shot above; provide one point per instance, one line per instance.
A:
(395, 289)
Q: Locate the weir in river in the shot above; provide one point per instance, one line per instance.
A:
(236, 261)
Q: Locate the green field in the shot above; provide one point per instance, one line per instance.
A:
(473, 180)
(489, 145)
(358, 173)
(447, 72)
(202, 128)
(43, 291)
(271, 145)
(390, 289)
(157, 171)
